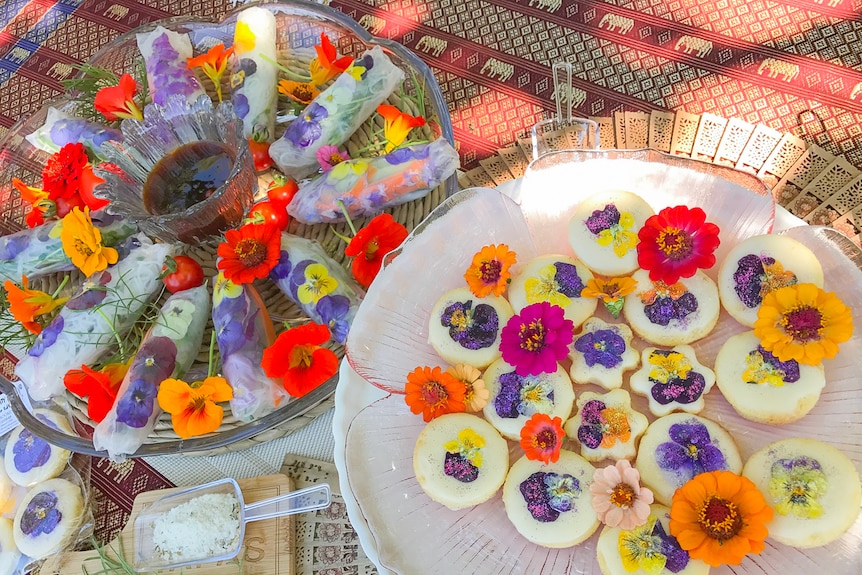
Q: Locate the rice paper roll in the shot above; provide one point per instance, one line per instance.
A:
(108, 303)
(36, 252)
(168, 350)
(333, 116)
(60, 129)
(319, 285)
(254, 79)
(166, 55)
(243, 329)
(366, 187)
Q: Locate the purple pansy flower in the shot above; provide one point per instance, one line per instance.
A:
(510, 401)
(240, 105)
(305, 129)
(676, 557)
(459, 467)
(282, 268)
(92, 292)
(690, 451)
(30, 451)
(591, 431)
(549, 494)
(48, 337)
(135, 407)
(230, 337)
(568, 281)
(469, 327)
(333, 310)
(664, 309)
(12, 245)
(680, 390)
(41, 515)
(407, 153)
(789, 369)
(156, 359)
(72, 130)
(603, 219)
(603, 346)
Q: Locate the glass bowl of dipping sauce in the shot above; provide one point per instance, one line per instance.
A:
(185, 171)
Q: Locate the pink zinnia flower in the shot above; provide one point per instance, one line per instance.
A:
(329, 156)
(618, 498)
(536, 339)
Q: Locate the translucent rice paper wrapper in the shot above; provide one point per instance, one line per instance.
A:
(319, 285)
(166, 54)
(415, 535)
(36, 252)
(335, 113)
(168, 350)
(243, 329)
(254, 78)
(60, 129)
(368, 186)
(83, 331)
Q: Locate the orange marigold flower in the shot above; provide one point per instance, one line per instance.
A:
(82, 242)
(719, 517)
(302, 92)
(99, 386)
(379, 237)
(327, 65)
(804, 323)
(40, 204)
(193, 408)
(27, 304)
(432, 392)
(213, 63)
(489, 271)
(542, 438)
(299, 358)
(116, 102)
(250, 252)
(396, 125)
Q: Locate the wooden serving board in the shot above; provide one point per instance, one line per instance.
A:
(268, 548)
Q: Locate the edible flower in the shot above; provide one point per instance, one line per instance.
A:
(610, 291)
(489, 271)
(327, 65)
(676, 242)
(118, 102)
(433, 392)
(194, 408)
(298, 357)
(535, 339)
(250, 252)
(300, 92)
(26, 304)
(396, 125)
(82, 242)
(650, 549)
(542, 438)
(719, 517)
(477, 395)
(40, 204)
(99, 386)
(329, 156)
(617, 496)
(804, 323)
(213, 63)
(61, 175)
(370, 244)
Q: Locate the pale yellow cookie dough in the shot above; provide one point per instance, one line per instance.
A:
(30, 459)
(58, 505)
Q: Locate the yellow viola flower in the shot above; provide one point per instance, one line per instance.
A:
(318, 283)
(546, 288)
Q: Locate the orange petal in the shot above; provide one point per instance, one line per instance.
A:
(691, 538)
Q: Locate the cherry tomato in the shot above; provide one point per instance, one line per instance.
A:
(181, 273)
(284, 193)
(270, 212)
(260, 155)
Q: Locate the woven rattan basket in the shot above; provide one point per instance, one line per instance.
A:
(299, 27)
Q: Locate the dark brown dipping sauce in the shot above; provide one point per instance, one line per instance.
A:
(186, 176)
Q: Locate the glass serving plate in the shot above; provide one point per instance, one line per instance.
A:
(412, 534)
(300, 24)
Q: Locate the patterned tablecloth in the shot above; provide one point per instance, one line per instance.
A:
(774, 87)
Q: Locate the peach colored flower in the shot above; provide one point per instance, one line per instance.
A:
(618, 498)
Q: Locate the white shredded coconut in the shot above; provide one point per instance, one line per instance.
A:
(206, 526)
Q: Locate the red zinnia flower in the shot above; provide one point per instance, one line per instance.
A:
(298, 357)
(250, 252)
(61, 176)
(115, 102)
(379, 237)
(100, 386)
(542, 438)
(676, 242)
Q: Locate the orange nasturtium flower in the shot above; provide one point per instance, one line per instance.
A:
(396, 125)
(302, 92)
(99, 386)
(433, 392)
(194, 408)
(213, 63)
(82, 242)
(250, 252)
(327, 65)
(38, 199)
(489, 271)
(299, 358)
(119, 101)
(27, 304)
(379, 237)
(610, 291)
